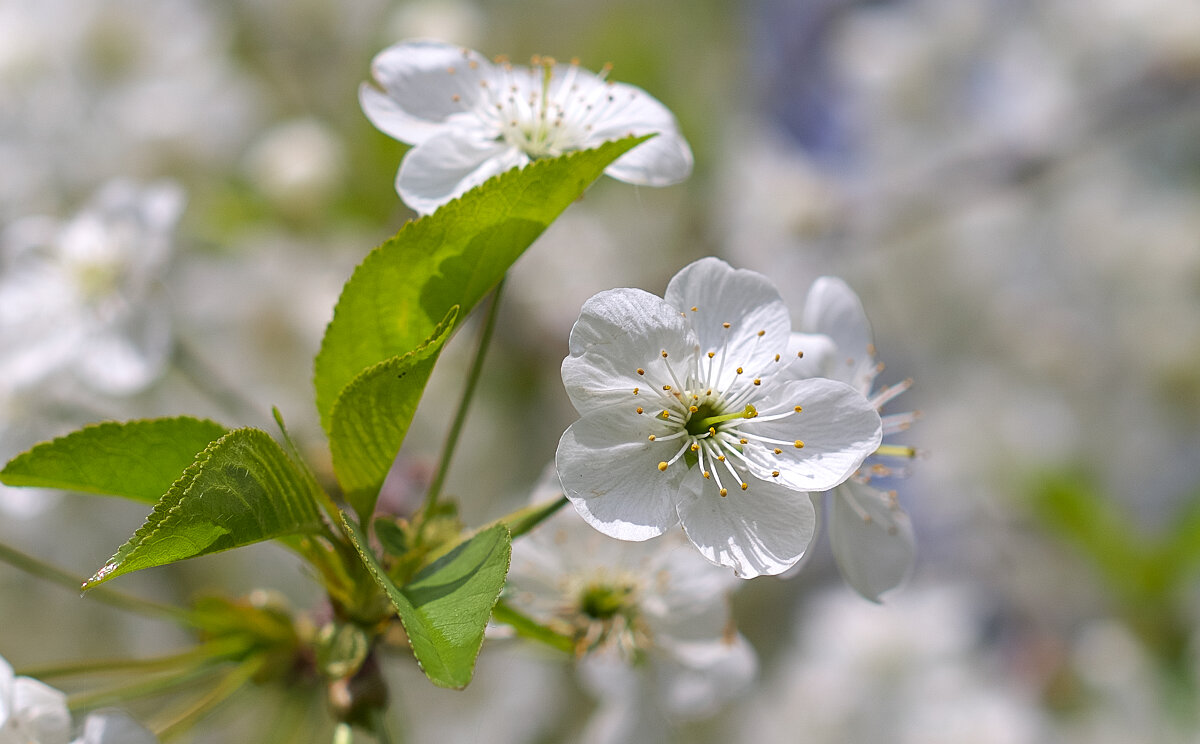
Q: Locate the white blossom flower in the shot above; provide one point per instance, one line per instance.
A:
(78, 296)
(697, 409)
(651, 621)
(113, 727)
(470, 119)
(871, 536)
(31, 712)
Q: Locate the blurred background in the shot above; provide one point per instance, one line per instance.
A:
(1010, 186)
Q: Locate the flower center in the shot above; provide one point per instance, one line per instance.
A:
(706, 413)
(601, 601)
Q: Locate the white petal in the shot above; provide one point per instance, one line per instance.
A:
(114, 727)
(663, 160)
(448, 165)
(700, 676)
(761, 531)
(873, 543)
(745, 299)
(832, 308)
(419, 89)
(838, 427)
(609, 471)
(41, 710)
(811, 355)
(620, 331)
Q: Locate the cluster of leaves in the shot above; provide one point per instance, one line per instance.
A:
(215, 489)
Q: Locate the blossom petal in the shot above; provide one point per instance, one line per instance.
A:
(424, 83)
(611, 111)
(620, 331)
(41, 711)
(609, 471)
(699, 675)
(762, 531)
(832, 308)
(745, 299)
(838, 428)
(811, 355)
(114, 727)
(872, 539)
(448, 165)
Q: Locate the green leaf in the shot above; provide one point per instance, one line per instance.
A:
(372, 415)
(446, 607)
(401, 292)
(240, 490)
(136, 459)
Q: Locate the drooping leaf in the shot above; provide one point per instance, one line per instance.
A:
(446, 607)
(135, 459)
(399, 294)
(372, 415)
(240, 490)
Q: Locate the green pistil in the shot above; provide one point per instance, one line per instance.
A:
(603, 602)
(704, 419)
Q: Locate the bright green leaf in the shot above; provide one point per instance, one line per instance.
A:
(240, 490)
(446, 607)
(372, 416)
(399, 294)
(136, 459)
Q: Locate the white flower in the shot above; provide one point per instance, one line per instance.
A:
(470, 119)
(78, 296)
(31, 712)
(651, 621)
(871, 536)
(696, 409)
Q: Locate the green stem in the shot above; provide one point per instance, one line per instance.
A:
(527, 627)
(142, 688)
(216, 650)
(224, 689)
(111, 597)
(460, 416)
(379, 727)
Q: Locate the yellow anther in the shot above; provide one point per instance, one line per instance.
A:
(695, 447)
(641, 410)
(761, 334)
(651, 437)
(636, 390)
(641, 371)
(707, 474)
(745, 486)
(473, 65)
(799, 444)
(725, 325)
(664, 353)
(662, 465)
(666, 388)
(712, 431)
(757, 381)
(665, 414)
(777, 357)
(695, 309)
(743, 440)
(739, 370)
(797, 409)
(799, 354)
(720, 458)
(724, 492)
(778, 451)
(693, 409)
(456, 98)
(712, 354)
(774, 473)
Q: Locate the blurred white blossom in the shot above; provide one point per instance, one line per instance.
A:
(31, 712)
(651, 621)
(81, 296)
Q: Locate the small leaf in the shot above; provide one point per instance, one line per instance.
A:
(401, 292)
(372, 415)
(135, 459)
(446, 607)
(240, 490)
(391, 537)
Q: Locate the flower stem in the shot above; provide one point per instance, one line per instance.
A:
(111, 597)
(379, 727)
(215, 650)
(224, 689)
(460, 416)
(147, 687)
